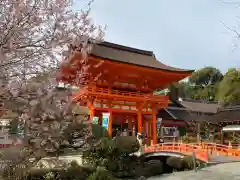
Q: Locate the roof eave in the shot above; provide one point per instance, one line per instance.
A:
(167, 70)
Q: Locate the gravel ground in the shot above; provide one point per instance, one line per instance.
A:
(226, 171)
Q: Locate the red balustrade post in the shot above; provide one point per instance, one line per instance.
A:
(229, 150)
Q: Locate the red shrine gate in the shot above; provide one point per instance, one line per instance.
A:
(121, 81)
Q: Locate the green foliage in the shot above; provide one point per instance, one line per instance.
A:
(98, 155)
(189, 139)
(99, 132)
(100, 175)
(235, 139)
(16, 126)
(115, 155)
(127, 144)
(174, 92)
(207, 93)
(202, 85)
(185, 89)
(229, 91)
(180, 89)
(108, 149)
(13, 126)
(210, 85)
(49, 176)
(206, 76)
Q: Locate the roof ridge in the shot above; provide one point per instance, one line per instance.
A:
(144, 58)
(200, 101)
(127, 48)
(231, 107)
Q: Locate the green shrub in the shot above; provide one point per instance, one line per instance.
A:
(98, 155)
(115, 156)
(121, 163)
(99, 132)
(49, 176)
(189, 139)
(111, 150)
(127, 144)
(124, 166)
(41, 174)
(100, 175)
(175, 162)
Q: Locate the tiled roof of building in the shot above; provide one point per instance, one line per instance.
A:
(129, 55)
(200, 106)
(204, 110)
(229, 113)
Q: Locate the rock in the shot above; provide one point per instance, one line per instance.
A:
(175, 162)
(152, 168)
(142, 178)
(188, 162)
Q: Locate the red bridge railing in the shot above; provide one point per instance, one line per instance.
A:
(202, 150)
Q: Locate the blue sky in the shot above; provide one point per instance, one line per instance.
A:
(183, 33)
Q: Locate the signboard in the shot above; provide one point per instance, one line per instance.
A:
(95, 120)
(170, 132)
(105, 120)
(231, 128)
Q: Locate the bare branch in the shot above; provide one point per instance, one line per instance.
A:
(33, 36)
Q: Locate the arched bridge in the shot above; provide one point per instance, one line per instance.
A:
(163, 153)
(204, 151)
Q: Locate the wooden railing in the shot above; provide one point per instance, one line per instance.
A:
(186, 149)
(202, 150)
(135, 96)
(220, 149)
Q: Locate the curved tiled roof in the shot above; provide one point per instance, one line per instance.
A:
(229, 113)
(200, 106)
(131, 55)
(209, 111)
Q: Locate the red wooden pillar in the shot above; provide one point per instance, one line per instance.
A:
(100, 118)
(130, 123)
(110, 118)
(144, 129)
(122, 122)
(144, 126)
(91, 111)
(154, 125)
(110, 122)
(135, 124)
(139, 118)
(149, 131)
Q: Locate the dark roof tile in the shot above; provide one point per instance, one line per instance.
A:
(200, 106)
(186, 115)
(130, 55)
(230, 113)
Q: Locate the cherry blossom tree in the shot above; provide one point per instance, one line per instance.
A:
(34, 37)
(34, 34)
